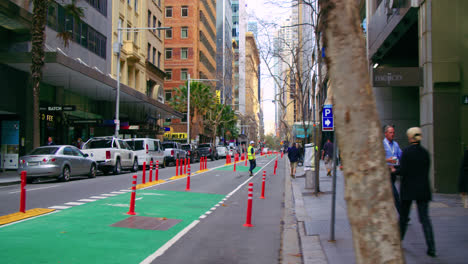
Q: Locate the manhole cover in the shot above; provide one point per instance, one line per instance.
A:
(147, 223)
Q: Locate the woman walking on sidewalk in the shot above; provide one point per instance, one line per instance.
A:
(415, 185)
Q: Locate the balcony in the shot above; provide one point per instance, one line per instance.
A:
(131, 50)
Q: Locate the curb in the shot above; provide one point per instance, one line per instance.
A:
(9, 183)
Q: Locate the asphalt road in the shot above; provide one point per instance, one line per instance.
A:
(217, 237)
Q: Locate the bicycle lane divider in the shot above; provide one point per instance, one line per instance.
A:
(85, 234)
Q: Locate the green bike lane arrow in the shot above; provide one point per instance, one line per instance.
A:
(102, 232)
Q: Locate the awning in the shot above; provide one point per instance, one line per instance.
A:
(75, 76)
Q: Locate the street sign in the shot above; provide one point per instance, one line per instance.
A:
(327, 118)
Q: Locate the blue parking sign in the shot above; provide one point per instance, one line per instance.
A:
(327, 118)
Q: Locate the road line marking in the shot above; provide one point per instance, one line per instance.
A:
(213, 208)
(74, 203)
(118, 192)
(209, 212)
(125, 190)
(27, 219)
(98, 197)
(202, 216)
(169, 243)
(41, 188)
(108, 194)
(86, 200)
(59, 207)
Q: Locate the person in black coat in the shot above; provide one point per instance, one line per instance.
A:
(463, 180)
(415, 185)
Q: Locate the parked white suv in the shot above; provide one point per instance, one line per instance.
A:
(111, 154)
(147, 150)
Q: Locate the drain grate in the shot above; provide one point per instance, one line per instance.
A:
(147, 223)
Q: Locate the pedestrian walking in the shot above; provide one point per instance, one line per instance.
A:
(392, 156)
(415, 186)
(463, 180)
(293, 155)
(251, 157)
(327, 156)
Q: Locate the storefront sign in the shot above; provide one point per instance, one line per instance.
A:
(393, 77)
(57, 108)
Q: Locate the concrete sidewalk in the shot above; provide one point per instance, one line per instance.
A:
(8, 177)
(313, 216)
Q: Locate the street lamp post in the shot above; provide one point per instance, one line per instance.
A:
(188, 101)
(117, 47)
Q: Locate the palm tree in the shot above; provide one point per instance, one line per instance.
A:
(201, 98)
(38, 55)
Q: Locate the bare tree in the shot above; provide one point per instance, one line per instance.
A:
(368, 194)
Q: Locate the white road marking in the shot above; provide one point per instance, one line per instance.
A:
(209, 212)
(27, 219)
(118, 205)
(41, 188)
(74, 203)
(59, 207)
(202, 216)
(98, 197)
(86, 200)
(108, 194)
(118, 192)
(139, 198)
(125, 190)
(169, 243)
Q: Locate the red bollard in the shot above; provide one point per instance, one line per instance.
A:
(131, 211)
(282, 154)
(206, 163)
(143, 179)
(185, 166)
(151, 172)
(188, 162)
(246, 161)
(263, 186)
(177, 167)
(23, 193)
(181, 167)
(187, 189)
(248, 220)
(276, 166)
(156, 174)
(234, 165)
(201, 163)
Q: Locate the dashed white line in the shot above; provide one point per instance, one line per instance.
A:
(202, 216)
(74, 203)
(108, 194)
(118, 192)
(86, 200)
(98, 197)
(58, 207)
(125, 191)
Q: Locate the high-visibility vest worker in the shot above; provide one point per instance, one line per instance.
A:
(251, 152)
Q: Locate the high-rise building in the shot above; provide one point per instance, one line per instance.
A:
(224, 53)
(190, 47)
(252, 96)
(239, 22)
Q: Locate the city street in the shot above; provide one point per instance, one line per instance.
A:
(211, 229)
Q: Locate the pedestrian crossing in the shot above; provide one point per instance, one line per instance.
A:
(88, 200)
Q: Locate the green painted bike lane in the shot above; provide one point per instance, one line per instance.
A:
(83, 234)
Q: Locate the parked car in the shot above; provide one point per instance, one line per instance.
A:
(232, 151)
(58, 161)
(147, 150)
(192, 152)
(222, 151)
(208, 150)
(172, 152)
(111, 154)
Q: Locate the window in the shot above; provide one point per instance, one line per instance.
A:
(159, 31)
(154, 23)
(184, 11)
(183, 74)
(149, 51)
(154, 54)
(168, 33)
(184, 32)
(184, 53)
(136, 5)
(100, 5)
(149, 18)
(169, 11)
(135, 37)
(159, 59)
(168, 54)
(159, 2)
(168, 74)
(129, 33)
(129, 2)
(168, 95)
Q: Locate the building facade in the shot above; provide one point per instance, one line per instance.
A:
(190, 48)
(417, 53)
(224, 54)
(252, 95)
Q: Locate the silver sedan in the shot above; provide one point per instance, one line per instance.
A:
(57, 161)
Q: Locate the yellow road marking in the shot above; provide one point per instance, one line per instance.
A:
(6, 219)
(148, 184)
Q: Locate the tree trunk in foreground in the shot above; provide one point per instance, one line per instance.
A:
(368, 194)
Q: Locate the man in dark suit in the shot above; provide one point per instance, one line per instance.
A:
(415, 185)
